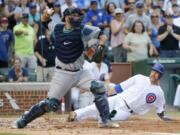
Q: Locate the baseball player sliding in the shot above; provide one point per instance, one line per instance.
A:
(137, 95)
(69, 73)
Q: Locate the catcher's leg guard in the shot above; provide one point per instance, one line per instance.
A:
(101, 102)
(37, 110)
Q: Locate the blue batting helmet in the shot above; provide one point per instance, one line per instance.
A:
(159, 68)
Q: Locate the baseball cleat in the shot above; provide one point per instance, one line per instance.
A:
(14, 125)
(108, 124)
(71, 116)
(19, 123)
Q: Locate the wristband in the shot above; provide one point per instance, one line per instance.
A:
(118, 88)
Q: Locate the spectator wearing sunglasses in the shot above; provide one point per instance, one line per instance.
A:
(139, 15)
(131, 8)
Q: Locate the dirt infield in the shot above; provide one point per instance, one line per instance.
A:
(57, 125)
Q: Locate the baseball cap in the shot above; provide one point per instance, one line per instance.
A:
(118, 10)
(56, 4)
(32, 5)
(4, 19)
(25, 15)
(93, 1)
(139, 4)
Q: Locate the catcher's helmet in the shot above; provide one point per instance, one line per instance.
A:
(69, 11)
(159, 68)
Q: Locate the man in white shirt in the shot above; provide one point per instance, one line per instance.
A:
(139, 94)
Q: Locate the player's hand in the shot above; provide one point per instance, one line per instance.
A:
(112, 92)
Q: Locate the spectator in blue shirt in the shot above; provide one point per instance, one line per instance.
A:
(7, 42)
(34, 16)
(95, 16)
(110, 9)
(17, 73)
(3, 50)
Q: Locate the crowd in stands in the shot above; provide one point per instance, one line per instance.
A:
(136, 30)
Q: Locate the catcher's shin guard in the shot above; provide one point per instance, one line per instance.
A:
(101, 101)
(37, 110)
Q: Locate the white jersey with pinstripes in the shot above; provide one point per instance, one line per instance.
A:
(141, 95)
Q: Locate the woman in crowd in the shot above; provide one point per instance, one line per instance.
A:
(138, 45)
(110, 9)
(17, 73)
(117, 36)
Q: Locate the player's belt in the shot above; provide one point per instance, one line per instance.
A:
(75, 70)
(130, 110)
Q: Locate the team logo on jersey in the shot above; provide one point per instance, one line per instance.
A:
(150, 98)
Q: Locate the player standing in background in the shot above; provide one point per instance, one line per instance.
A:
(139, 94)
(69, 72)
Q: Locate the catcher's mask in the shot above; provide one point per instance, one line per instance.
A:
(75, 16)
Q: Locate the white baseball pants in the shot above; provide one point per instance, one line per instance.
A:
(115, 103)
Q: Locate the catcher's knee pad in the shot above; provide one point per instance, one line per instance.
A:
(97, 87)
(53, 104)
(102, 105)
(48, 105)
